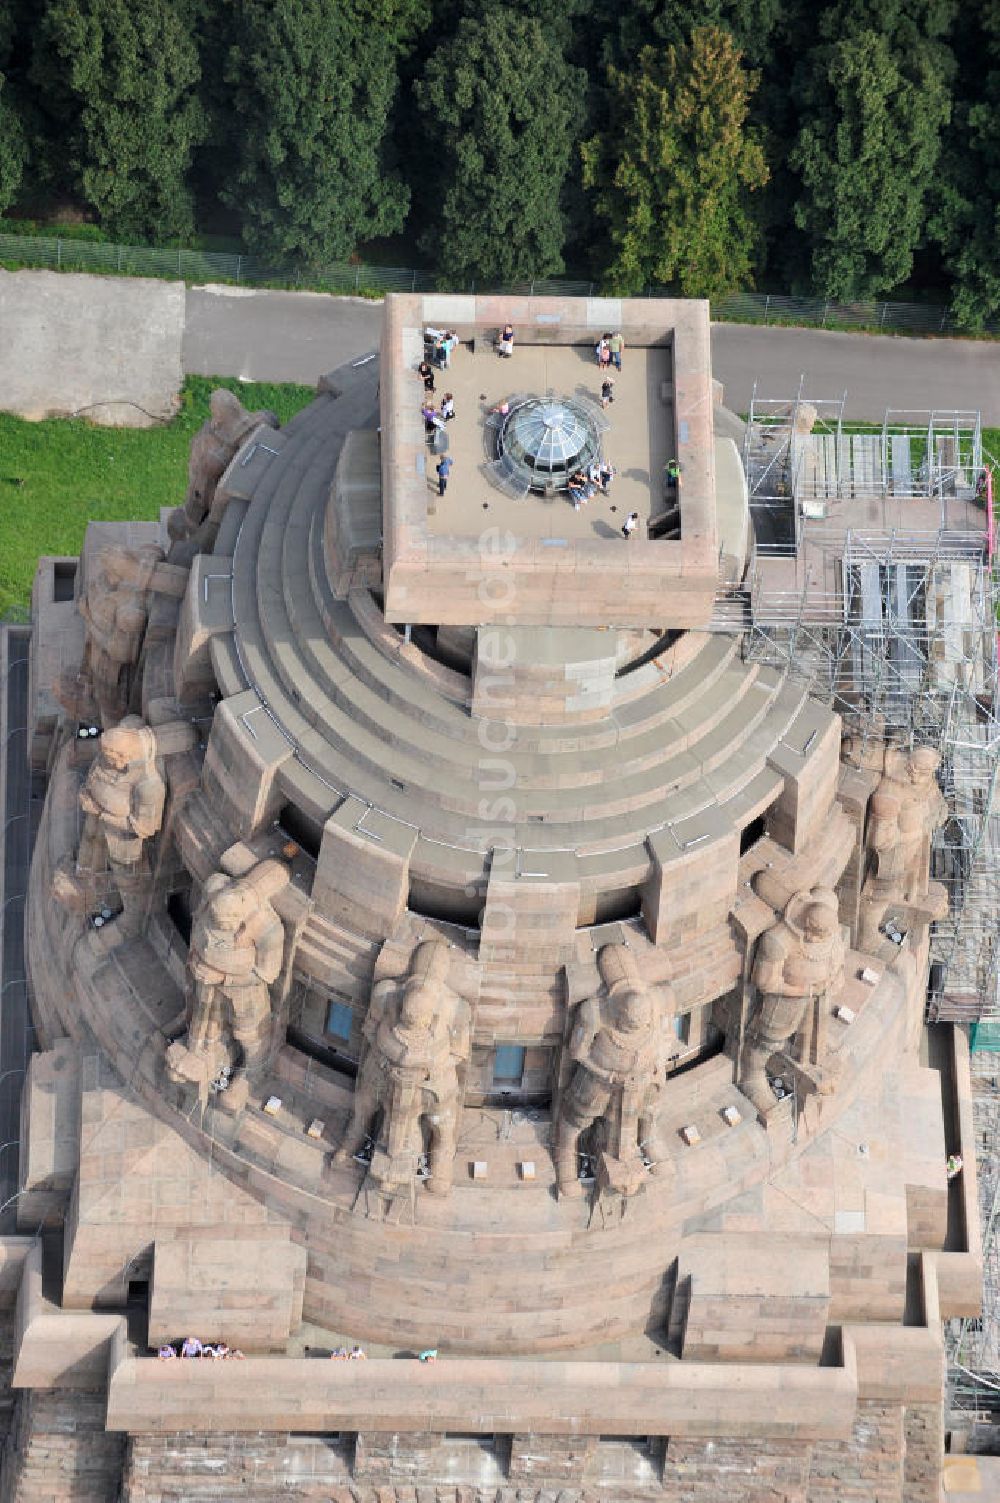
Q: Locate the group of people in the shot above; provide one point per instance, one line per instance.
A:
(192, 1347)
(441, 342)
(608, 351)
(583, 485)
(341, 1354)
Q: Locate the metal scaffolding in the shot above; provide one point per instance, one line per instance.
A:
(873, 582)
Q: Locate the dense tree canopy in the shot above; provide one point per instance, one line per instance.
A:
(501, 106)
(123, 77)
(845, 148)
(866, 156)
(313, 83)
(671, 173)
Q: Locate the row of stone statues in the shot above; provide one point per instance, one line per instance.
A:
(417, 1031)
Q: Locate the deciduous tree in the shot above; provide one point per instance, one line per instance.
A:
(122, 77)
(500, 106)
(672, 174)
(313, 83)
(865, 156)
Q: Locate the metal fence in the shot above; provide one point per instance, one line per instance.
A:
(62, 254)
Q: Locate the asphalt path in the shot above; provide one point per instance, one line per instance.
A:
(297, 336)
(275, 336)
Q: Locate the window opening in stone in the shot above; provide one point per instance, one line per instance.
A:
(751, 833)
(179, 913)
(298, 826)
(63, 581)
(682, 1027)
(508, 1065)
(339, 1019)
(449, 905)
(617, 907)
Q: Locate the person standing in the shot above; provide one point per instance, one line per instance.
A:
(630, 523)
(448, 407)
(607, 391)
(426, 373)
(443, 471)
(505, 344)
(616, 345)
(607, 475)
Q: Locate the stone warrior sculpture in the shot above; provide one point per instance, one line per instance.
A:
(906, 807)
(416, 1038)
(619, 1070)
(799, 961)
(122, 804)
(237, 946)
(115, 609)
(194, 526)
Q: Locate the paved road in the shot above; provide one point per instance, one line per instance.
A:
(275, 336)
(296, 336)
(876, 371)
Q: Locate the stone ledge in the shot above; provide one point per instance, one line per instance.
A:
(558, 1398)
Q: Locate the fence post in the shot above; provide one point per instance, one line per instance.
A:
(881, 321)
(58, 252)
(413, 282)
(767, 306)
(119, 260)
(826, 309)
(178, 260)
(357, 276)
(944, 315)
(239, 268)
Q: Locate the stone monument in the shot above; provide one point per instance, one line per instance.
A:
(237, 945)
(194, 526)
(493, 854)
(618, 1052)
(798, 969)
(416, 1042)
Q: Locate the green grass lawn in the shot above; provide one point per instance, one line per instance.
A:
(57, 475)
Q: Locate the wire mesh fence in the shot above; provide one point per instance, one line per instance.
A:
(66, 254)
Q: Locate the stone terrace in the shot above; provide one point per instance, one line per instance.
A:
(639, 440)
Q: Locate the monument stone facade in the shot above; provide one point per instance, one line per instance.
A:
(465, 952)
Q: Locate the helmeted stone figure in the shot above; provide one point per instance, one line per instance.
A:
(799, 960)
(235, 956)
(906, 808)
(122, 804)
(115, 609)
(193, 527)
(122, 799)
(619, 1067)
(416, 1040)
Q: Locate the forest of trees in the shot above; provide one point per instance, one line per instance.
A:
(838, 148)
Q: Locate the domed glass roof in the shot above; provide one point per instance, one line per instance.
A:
(547, 439)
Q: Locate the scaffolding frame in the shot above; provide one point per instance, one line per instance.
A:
(894, 627)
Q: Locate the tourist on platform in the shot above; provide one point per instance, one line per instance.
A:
(357, 1354)
(607, 391)
(166, 1353)
(608, 473)
(602, 351)
(616, 345)
(448, 407)
(505, 341)
(630, 523)
(430, 1355)
(426, 374)
(191, 1347)
(444, 468)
